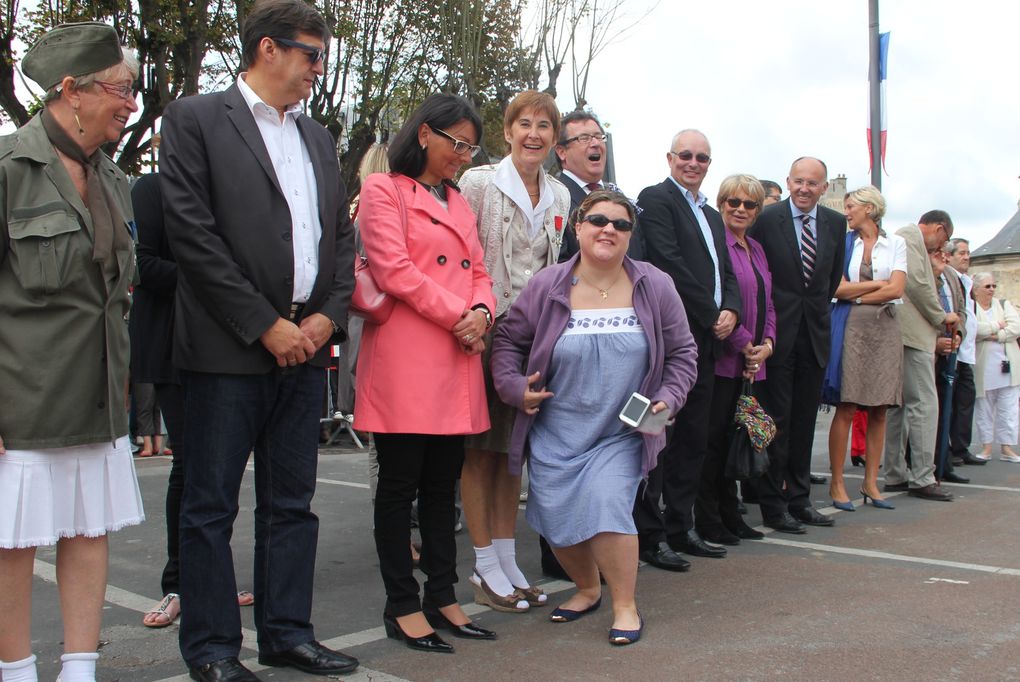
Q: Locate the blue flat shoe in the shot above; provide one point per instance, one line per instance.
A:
(559, 615)
(625, 637)
(844, 506)
(876, 502)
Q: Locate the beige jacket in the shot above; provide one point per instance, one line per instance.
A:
(921, 316)
(496, 214)
(987, 326)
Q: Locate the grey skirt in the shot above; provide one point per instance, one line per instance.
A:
(872, 373)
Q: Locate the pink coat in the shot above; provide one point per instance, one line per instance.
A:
(413, 376)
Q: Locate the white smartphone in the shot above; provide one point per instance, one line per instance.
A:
(634, 411)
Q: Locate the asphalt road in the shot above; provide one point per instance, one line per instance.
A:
(930, 591)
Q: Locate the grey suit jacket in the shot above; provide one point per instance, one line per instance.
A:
(922, 318)
(230, 230)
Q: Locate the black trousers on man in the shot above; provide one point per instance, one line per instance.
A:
(791, 397)
(964, 395)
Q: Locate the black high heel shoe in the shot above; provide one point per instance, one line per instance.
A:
(430, 642)
(469, 630)
(857, 460)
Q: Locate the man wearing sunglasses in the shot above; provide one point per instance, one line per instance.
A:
(582, 152)
(804, 243)
(256, 214)
(685, 238)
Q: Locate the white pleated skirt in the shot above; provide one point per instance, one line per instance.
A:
(81, 490)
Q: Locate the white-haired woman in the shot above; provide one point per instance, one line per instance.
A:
(997, 371)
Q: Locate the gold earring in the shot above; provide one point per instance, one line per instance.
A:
(81, 131)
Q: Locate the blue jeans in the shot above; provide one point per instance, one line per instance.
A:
(226, 416)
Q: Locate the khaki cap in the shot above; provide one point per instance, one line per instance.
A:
(72, 50)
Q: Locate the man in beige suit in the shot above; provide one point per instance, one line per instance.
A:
(922, 320)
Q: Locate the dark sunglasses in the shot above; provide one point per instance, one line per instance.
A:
(599, 220)
(733, 202)
(687, 156)
(314, 53)
(459, 146)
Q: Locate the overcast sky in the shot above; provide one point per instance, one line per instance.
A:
(770, 81)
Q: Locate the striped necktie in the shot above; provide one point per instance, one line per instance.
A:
(807, 248)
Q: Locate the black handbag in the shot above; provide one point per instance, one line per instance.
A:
(753, 430)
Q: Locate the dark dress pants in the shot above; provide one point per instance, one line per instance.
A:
(427, 467)
(791, 397)
(963, 412)
(171, 402)
(226, 416)
(716, 505)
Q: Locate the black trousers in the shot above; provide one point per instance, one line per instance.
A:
(678, 474)
(425, 467)
(963, 412)
(716, 505)
(791, 396)
(171, 402)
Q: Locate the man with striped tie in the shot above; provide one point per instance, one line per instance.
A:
(805, 245)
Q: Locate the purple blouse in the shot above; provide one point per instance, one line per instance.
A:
(731, 362)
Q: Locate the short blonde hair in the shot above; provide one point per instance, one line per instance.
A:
(869, 196)
(748, 184)
(375, 160)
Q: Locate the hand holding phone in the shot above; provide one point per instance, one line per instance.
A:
(638, 413)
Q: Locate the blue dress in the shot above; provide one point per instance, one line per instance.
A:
(584, 465)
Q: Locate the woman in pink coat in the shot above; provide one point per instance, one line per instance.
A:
(419, 382)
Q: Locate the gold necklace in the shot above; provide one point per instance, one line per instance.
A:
(602, 292)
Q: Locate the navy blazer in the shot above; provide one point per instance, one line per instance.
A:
(230, 229)
(796, 303)
(675, 244)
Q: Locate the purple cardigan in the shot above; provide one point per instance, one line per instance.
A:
(731, 362)
(537, 319)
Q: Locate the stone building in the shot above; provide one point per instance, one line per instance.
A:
(1001, 257)
(833, 197)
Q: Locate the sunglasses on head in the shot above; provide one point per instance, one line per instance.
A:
(599, 220)
(313, 53)
(733, 202)
(687, 156)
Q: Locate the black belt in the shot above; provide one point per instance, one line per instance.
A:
(295, 311)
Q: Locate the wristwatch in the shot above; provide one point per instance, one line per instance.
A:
(858, 301)
(484, 310)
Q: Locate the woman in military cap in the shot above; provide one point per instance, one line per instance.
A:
(66, 264)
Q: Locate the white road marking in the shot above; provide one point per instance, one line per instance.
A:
(932, 581)
(961, 486)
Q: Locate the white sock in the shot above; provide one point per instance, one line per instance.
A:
(19, 671)
(506, 550)
(487, 565)
(78, 667)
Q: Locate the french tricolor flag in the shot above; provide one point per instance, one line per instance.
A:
(883, 62)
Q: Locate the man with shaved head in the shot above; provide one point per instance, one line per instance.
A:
(805, 245)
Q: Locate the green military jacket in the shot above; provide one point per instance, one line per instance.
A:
(63, 330)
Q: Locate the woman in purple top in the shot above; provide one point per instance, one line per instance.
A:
(589, 333)
(743, 357)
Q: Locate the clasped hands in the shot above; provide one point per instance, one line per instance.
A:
(754, 356)
(470, 331)
(293, 344)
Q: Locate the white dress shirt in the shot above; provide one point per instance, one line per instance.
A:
(697, 204)
(296, 176)
(968, 347)
(889, 254)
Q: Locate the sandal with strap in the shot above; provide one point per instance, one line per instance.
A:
(536, 596)
(484, 595)
(166, 612)
(245, 598)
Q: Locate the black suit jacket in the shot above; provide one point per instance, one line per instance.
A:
(152, 302)
(636, 250)
(675, 244)
(230, 229)
(795, 303)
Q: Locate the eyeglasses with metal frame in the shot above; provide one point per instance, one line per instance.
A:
(459, 146)
(585, 138)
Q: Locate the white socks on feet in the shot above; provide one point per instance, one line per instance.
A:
(78, 667)
(506, 550)
(19, 671)
(487, 566)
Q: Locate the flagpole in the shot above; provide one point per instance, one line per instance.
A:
(876, 99)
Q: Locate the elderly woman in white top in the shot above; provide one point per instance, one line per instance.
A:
(521, 213)
(872, 357)
(997, 373)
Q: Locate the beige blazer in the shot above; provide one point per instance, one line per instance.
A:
(988, 327)
(921, 316)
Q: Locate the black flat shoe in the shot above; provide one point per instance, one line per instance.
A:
(812, 517)
(953, 477)
(312, 658)
(720, 536)
(745, 532)
(661, 556)
(469, 630)
(691, 543)
(223, 670)
(784, 523)
(430, 642)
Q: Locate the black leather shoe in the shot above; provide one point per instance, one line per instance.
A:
(953, 477)
(665, 558)
(720, 536)
(691, 543)
(931, 492)
(896, 487)
(469, 630)
(745, 532)
(312, 658)
(818, 480)
(223, 670)
(957, 461)
(785, 524)
(974, 461)
(812, 517)
(430, 642)
(741, 508)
